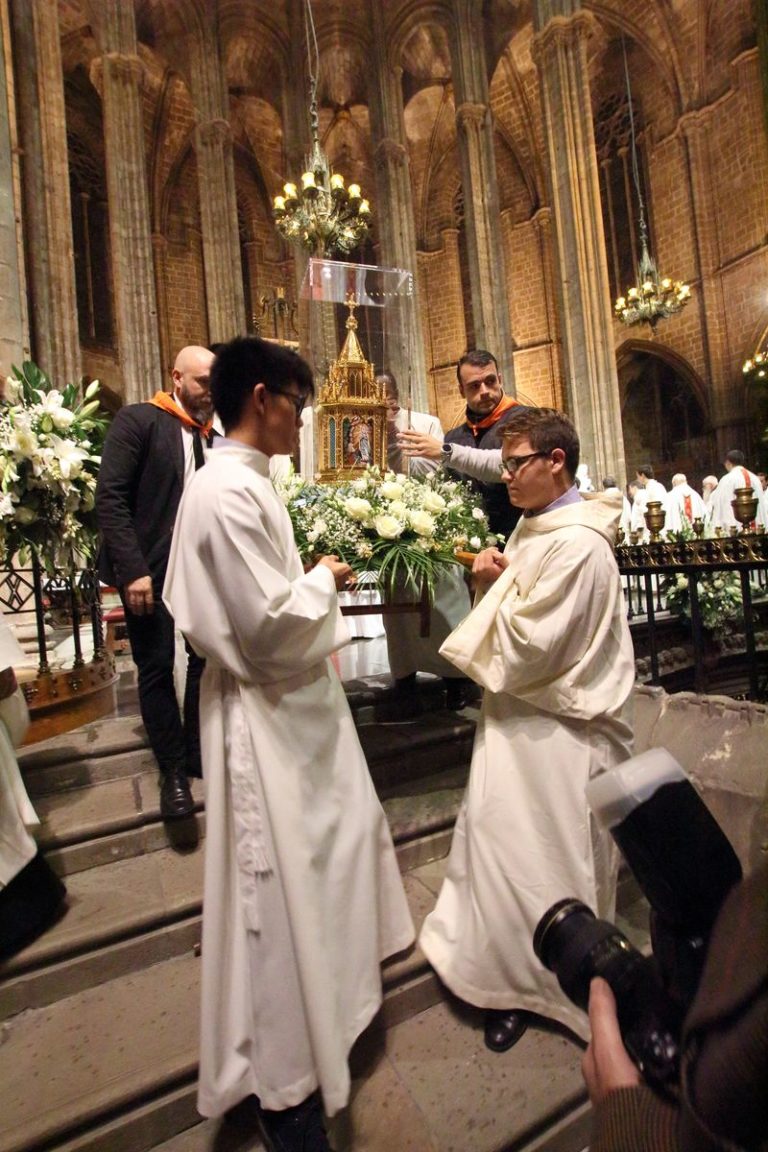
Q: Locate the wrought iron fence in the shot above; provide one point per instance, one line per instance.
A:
(70, 604)
(648, 569)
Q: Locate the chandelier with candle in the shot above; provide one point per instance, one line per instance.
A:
(652, 297)
(323, 216)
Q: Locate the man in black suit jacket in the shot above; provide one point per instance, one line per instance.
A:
(150, 451)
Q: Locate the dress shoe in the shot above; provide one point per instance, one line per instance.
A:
(503, 1029)
(175, 795)
(298, 1129)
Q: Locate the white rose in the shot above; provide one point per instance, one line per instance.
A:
(62, 418)
(422, 523)
(433, 501)
(388, 527)
(392, 491)
(478, 514)
(475, 542)
(356, 508)
(360, 485)
(398, 509)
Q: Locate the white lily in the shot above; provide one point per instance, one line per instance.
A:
(69, 455)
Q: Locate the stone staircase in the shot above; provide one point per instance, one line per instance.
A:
(99, 1040)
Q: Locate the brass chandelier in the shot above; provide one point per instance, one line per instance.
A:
(323, 216)
(652, 297)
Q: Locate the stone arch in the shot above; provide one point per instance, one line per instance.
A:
(665, 412)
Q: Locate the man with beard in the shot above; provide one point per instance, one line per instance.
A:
(151, 453)
(474, 447)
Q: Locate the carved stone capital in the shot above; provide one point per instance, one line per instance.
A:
(471, 115)
(214, 133)
(561, 32)
(391, 151)
(119, 67)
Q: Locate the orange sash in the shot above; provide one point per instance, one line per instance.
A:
(503, 406)
(166, 401)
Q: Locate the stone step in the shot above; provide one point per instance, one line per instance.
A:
(118, 1062)
(127, 897)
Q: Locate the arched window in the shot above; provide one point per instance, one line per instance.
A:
(617, 189)
(90, 236)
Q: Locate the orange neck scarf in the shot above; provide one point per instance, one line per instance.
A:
(503, 406)
(166, 401)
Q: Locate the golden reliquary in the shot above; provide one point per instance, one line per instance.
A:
(351, 413)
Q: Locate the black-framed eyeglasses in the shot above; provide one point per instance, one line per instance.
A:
(512, 464)
(299, 402)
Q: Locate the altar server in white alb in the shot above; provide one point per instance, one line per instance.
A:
(303, 897)
(548, 640)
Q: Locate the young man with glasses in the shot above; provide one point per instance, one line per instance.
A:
(303, 897)
(548, 640)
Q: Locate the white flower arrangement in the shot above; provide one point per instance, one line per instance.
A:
(718, 591)
(401, 529)
(50, 444)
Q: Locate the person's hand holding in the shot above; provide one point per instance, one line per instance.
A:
(341, 572)
(488, 566)
(606, 1064)
(139, 597)
(419, 444)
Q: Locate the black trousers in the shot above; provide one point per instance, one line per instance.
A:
(174, 739)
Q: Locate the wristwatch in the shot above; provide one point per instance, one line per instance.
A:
(445, 453)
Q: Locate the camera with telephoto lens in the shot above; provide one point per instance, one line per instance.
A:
(685, 866)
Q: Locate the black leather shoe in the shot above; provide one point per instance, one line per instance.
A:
(298, 1129)
(175, 795)
(503, 1029)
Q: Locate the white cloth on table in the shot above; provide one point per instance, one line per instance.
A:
(550, 644)
(302, 896)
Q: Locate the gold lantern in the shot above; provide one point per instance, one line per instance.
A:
(351, 412)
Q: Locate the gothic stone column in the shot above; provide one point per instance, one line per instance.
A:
(560, 53)
(48, 217)
(474, 128)
(394, 211)
(216, 187)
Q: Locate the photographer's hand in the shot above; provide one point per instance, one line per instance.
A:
(606, 1064)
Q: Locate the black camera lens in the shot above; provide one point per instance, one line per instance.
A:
(573, 944)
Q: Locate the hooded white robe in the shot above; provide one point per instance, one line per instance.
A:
(550, 643)
(302, 897)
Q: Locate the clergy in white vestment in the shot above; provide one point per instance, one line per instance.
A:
(648, 488)
(683, 505)
(737, 475)
(407, 651)
(548, 640)
(303, 897)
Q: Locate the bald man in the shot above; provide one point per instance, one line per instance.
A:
(151, 452)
